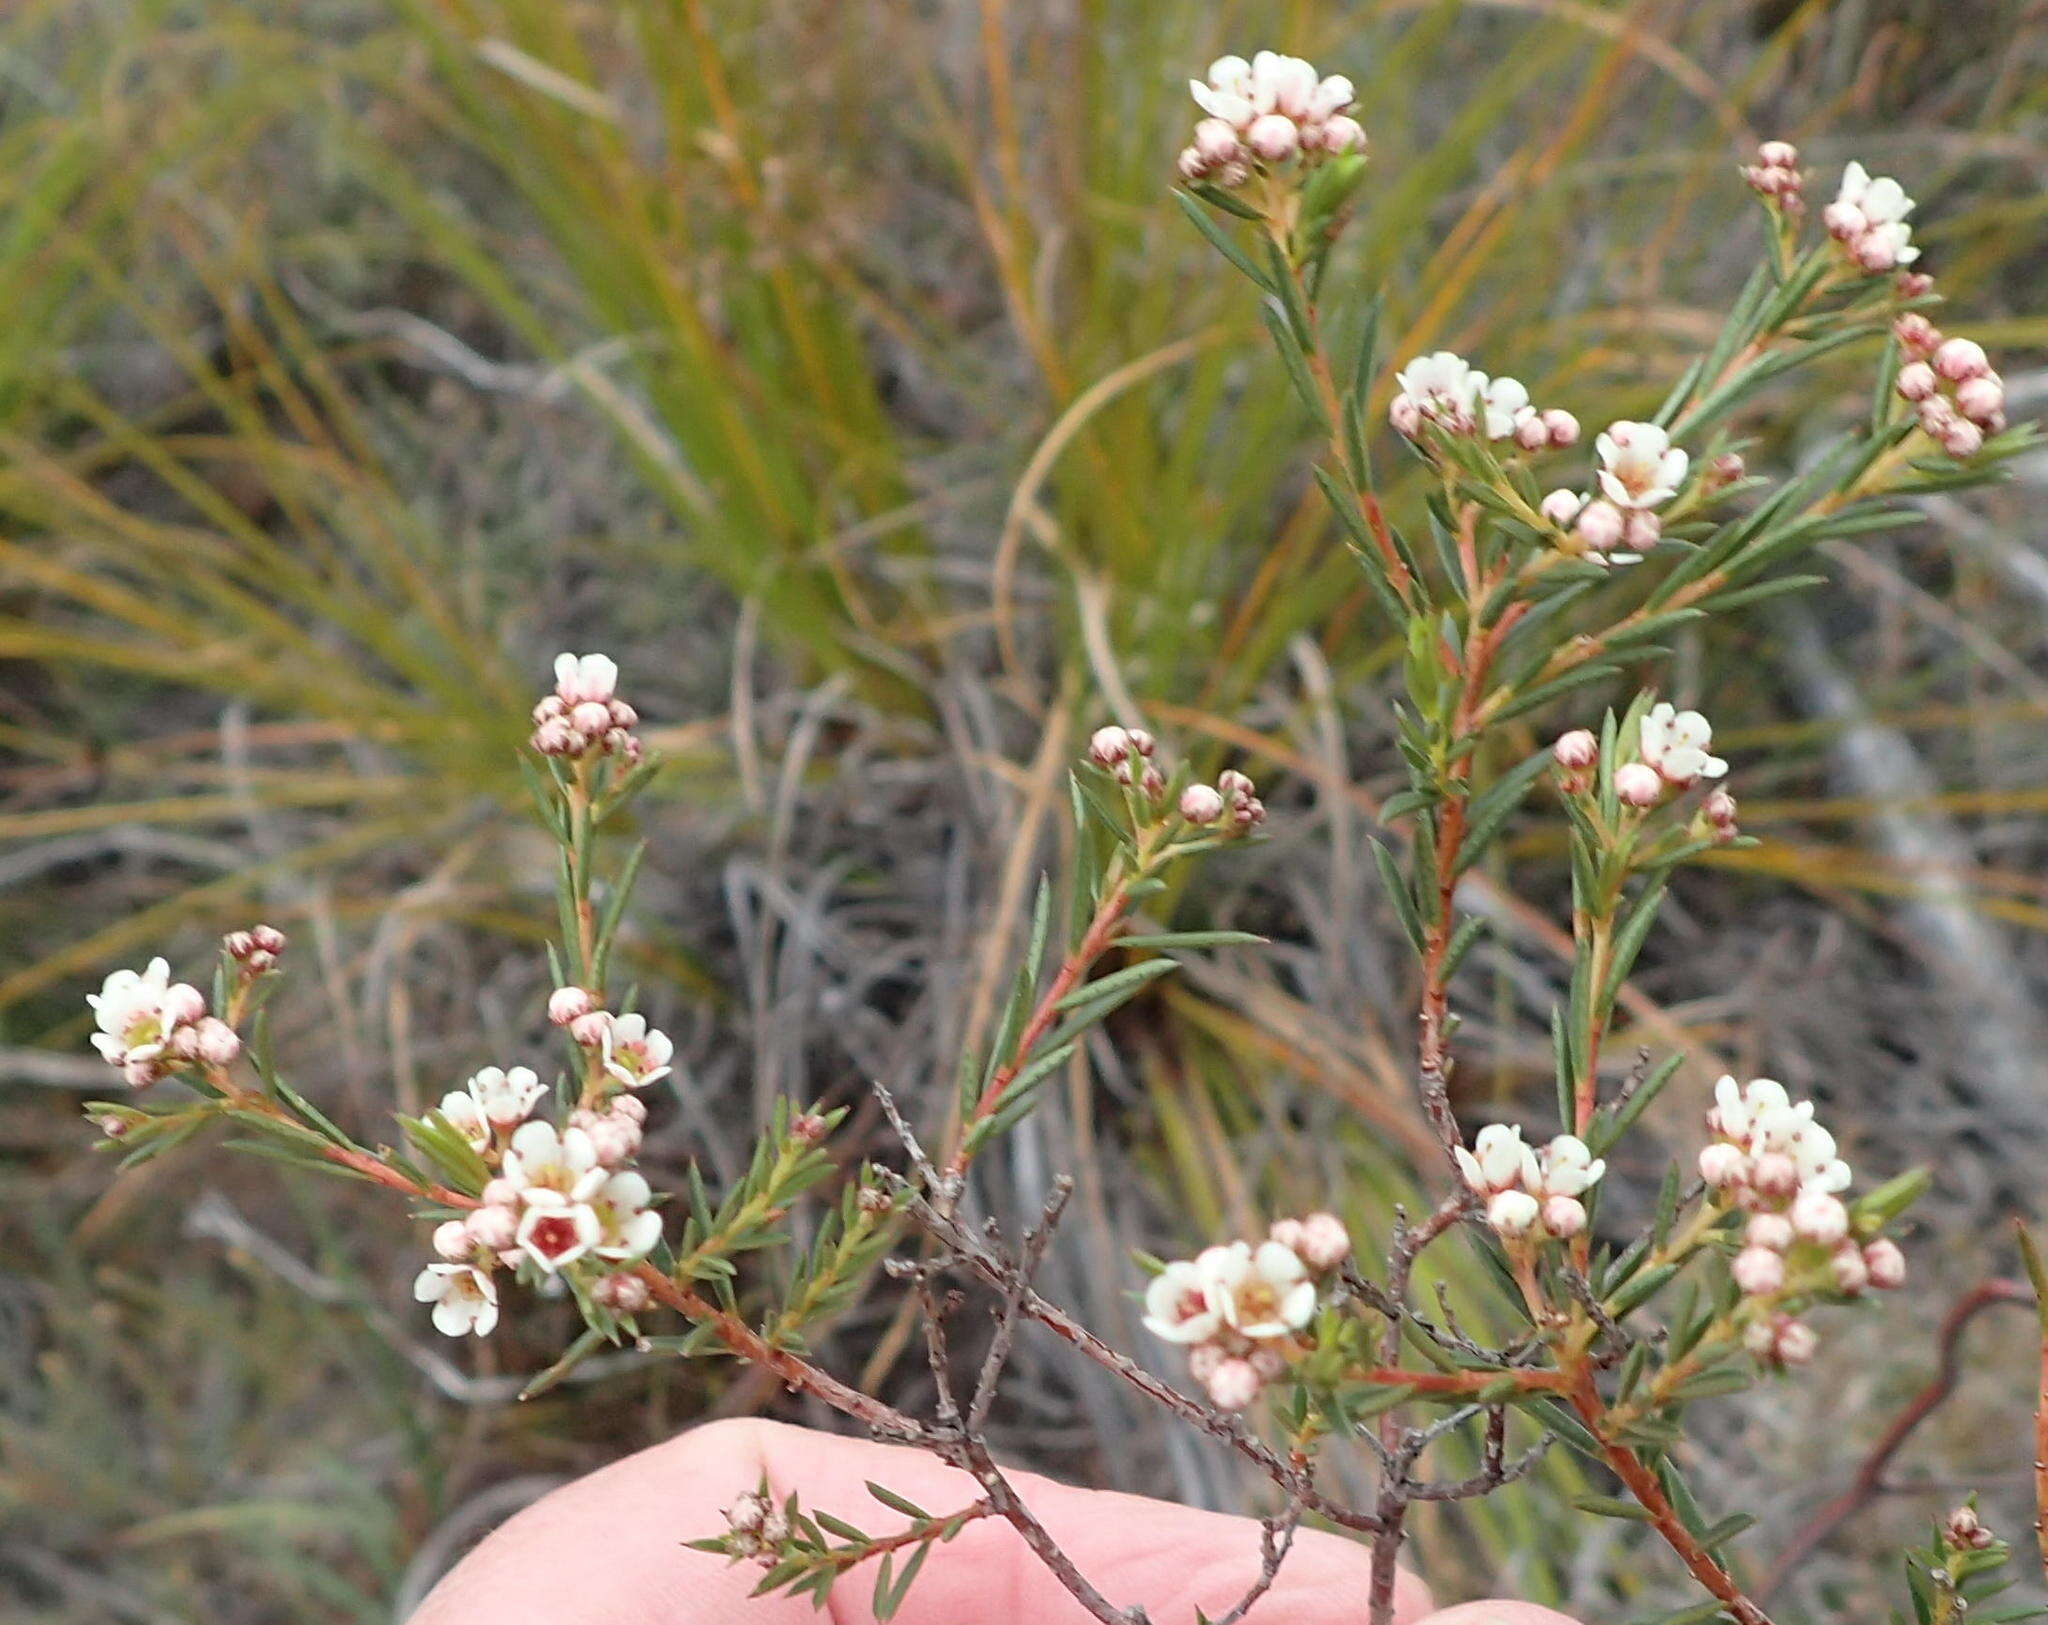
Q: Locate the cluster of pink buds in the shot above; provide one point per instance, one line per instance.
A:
(1232, 801)
(1774, 177)
(630, 1053)
(1868, 218)
(1446, 391)
(1771, 1159)
(152, 1028)
(255, 951)
(1780, 1340)
(1673, 752)
(1530, 1193)
(1239, 1310)
(1266, 113)
(1950, 382)
(759, 1529)
(583, 717)
(1127, 754)
(1966, 1532)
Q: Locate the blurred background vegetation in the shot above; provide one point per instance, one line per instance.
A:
(846, 371)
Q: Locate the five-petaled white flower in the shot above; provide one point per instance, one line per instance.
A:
(137, 1013)
(1261, 1292)
(1443, 387)
(1640, 468)
(465, 1299)
(493, 1098)
(1676, 744)
(1567, 1167)
(630, 1227)
(1868, 217)
(1498, 1160)
(635, 1053)
(1506, 404)
(1177, 1305)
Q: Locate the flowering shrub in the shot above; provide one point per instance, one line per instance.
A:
(1505, 587)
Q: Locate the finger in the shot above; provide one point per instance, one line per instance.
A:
(607, 1550)
(1496, 1611)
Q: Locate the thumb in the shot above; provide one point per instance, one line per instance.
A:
(607, 1550)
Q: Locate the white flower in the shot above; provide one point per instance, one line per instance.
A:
(1177, 1305)
(138, 1012)
(585, 678)
(1228, 94)
(1506, 401)
(465, 1299)
(492, 1098)
(635, 1053)
(1443, 386)
(1262, 1292)
(1868, 217)
(1332, 96)
(1567, 1168)
(1283, 84)
(543, 1162)
(1640, 466)
(1738, 1106)
(1675, 743)
(555, 1231)
(1881, 200)
(630, 1227)
(1498, 1160)
(466, 1117)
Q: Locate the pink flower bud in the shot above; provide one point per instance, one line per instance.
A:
(1274, 137)
(1917, 336)
(630, 1107)
(1343, 134)
(589, 1029)
(218, 1044)
(1562, 428)
(1914, 284)
(1513, 1213)
(493, 1227)
(1846, 1265)
(1981, 399)
(1958, 359)
(1820, 1217)
(1190, 165)
(1564, 1216)
(1722, 1165)
(1778, 155)
(1720, 810)
(182, 1002)
(1916, 381)
(1530, 434)
(1561, 506)
(1962, 439)
(1844, 221)
(1886, 1264)
(1234, 1384)
(1774, 1175)
(238, 944)
(1201, 804)
(452, 1241)
(1772, 1230)
(1288, 1232)
(500, 1193)
(566, 1004)
(1642, 530)
(1600, 525)
(1215, 141)
(1758, 1271)
(1203, 1361)
(1964, 1530)
(1325, 1242)
(1405, 415)
(1235, 785)
(1794, 1343)
(622, 1293)
(1726, 469)
(1638, 784)
(591, 717)
(1152, 782)
(1108, 746)
(556, 738)
(615, 1140)
(807, 1127)
(1577, 750)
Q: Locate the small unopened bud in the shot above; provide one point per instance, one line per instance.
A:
(1530, 433)
(1325, 1242)
(1643, 530)
(1191, 165)
(216, 1043)
(1794, 1343)
(1758, 1272)
(1513, 1213)
(1638, 784)
(1774, 1175)
(1846, 1265)
(1561, 507)
(1203, 1361)
(493, 1226)
(566, 1004)
(452, 1240)
(746, 1515)
(590, 1028)
(1916, 381)
(1274, 137)
(1215, 141)
(1405, 415)
(1958, 359)
(873, 1200)
(1964, 1530)
(1577, 750)
(1962, 439)
(182, 1003)
(808, 1127)
(1201, 804)
(625, 1294)
(1343, 134)
(1235, 785)
(1778, 155)
(1564, 1216)
(1886, 1264)
(1561, 427)
(1108, 746)
(1917, 336)
(1234, 1384)
(1914, 284)
(1820, 1217)
(1772, 1230)
(1722, 1165)
(1726, 469)
(1981, 399)
(1601, 525)
(1844, 221)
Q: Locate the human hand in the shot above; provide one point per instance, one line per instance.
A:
(608, 1549)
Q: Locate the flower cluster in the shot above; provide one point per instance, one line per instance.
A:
(583, 717)
(1673, 752)
(1640, 470)
(1775, 178)
(152, 1027)
(1868, 218)
(1265, 112)
(1771, 1159)
(1959, 398)
(760, 1529)
(1445, 390)
(1527, 1190)
(1239, 1309)
(1131, 757)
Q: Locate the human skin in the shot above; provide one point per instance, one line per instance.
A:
(608, 1549)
